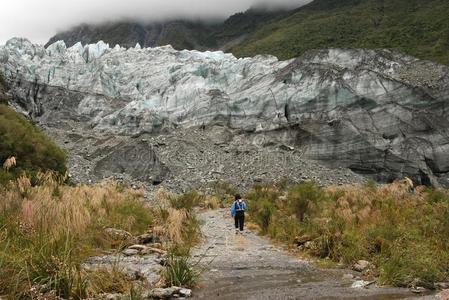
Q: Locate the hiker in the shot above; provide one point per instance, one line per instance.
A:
(238, 213)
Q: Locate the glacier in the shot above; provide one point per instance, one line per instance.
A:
(377, 112)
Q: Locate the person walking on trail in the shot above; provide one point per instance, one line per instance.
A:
(238, 209)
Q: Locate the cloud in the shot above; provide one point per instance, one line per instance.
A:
(38, 20)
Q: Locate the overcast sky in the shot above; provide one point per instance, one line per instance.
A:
(38, 20)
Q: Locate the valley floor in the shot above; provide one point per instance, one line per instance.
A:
(249, 267)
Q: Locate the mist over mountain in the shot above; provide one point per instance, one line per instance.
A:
(43, 19)
(181, 34)
(414, 27)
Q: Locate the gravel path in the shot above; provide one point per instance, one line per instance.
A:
(248, 267)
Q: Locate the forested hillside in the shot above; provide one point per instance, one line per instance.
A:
(416, 27)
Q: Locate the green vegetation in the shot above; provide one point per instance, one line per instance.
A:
(48, 229)
(186, 201)
(3, 99)
(419, 28)
(32, 150)
(181, 34)
(179, 271)
(403, 233)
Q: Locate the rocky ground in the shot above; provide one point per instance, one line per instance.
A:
(187, 159)
(248, 267)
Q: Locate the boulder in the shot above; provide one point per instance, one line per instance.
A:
(168, 293)
(361, 284)
(137, 247)
(118, 234)
(130, 252)
(361, 265)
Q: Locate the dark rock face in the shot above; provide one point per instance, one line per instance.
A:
(378, 113)
(378, 122)
(138, 160)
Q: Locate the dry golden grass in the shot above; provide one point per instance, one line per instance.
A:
(9, 163)
(109, 280)
(49, 228)
(358, 203)
(175, 222)
(401, 229)
(55, 209)
(163, 197)
(44, 224)
(211, 202)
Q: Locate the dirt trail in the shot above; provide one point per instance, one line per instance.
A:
(248, 267)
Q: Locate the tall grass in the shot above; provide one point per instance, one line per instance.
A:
(47, 230)
(180, 224)
(179, 271)
(182, 229)
(404, 233)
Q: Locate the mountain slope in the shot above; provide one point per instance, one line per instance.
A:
(181, 34)
(19, 138)
(419, 28)
(376, 112)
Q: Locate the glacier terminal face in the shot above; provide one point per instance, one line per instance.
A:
(376, 112)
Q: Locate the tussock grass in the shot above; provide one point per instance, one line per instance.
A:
(211, 202)
(224, 192)
(179, 271)
(186, 201)
(109, 280)
(404, 233)
(47, 230)
(182, 230)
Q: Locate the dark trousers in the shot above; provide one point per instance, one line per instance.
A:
(239, 220)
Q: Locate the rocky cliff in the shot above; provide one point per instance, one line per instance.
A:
(375, 112)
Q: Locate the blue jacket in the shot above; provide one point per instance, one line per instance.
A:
(236, 206)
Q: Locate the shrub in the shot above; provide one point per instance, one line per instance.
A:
(436, 196)
(284, 228)
(212, 202)
(186, 201)
(302, 197)
(224, 188)
(49, 229)
(180, 272)
(406, 265)
(404, 234)
(263, 216)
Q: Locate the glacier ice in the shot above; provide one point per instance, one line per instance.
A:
(343, 106)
